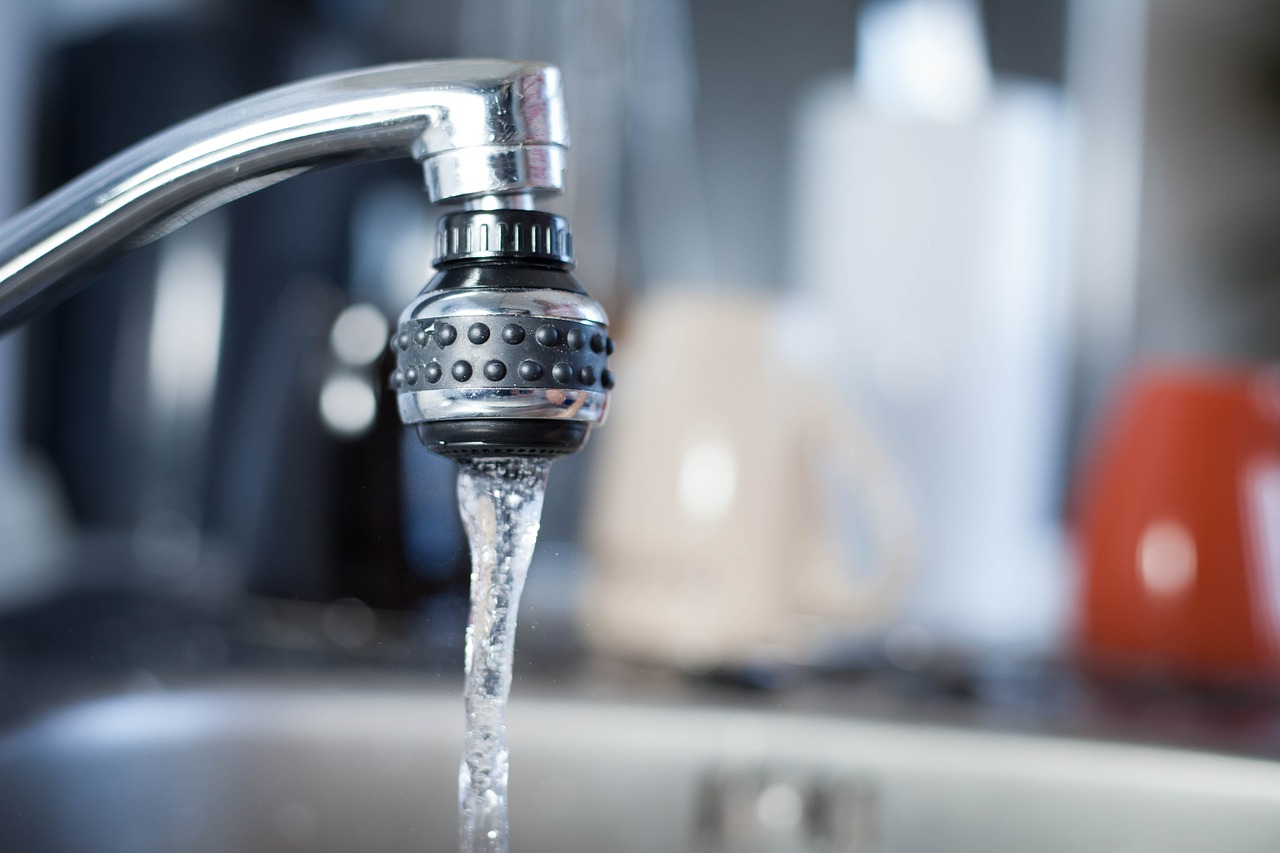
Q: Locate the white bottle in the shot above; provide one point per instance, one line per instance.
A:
(927, 230)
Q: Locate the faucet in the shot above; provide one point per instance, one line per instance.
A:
(503, 353)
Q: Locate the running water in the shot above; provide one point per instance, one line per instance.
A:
(501, 504)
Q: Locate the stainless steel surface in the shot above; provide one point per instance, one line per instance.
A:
(466, 403)
(373, 767)
(548, 303)
(512, 201)
(480, 129)
(491, 169)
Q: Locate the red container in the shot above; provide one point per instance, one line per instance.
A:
(1178, 518)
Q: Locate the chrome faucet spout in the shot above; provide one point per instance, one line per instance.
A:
(481, 129)
(528, 372)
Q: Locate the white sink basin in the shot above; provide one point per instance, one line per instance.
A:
(328, 769)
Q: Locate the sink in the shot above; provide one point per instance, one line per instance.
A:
(323, 767)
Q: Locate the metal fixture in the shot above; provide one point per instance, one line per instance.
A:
(488, 370)
(490, 135)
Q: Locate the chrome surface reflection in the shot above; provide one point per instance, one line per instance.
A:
(465, 403)
(480, 128)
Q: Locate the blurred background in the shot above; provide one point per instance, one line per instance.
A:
(994, 435)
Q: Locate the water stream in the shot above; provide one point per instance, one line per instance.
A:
(501, 505)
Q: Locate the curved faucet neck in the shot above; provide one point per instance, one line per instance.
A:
(488, 131)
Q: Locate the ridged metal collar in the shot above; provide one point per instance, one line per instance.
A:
(527, 235)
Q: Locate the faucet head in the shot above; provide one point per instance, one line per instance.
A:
(503, 353)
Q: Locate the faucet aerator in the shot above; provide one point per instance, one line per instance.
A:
(505, 350)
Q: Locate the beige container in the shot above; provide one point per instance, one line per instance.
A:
(713, 534)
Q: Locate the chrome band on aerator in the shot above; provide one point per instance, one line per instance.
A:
(467, 403)
(545, 303)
